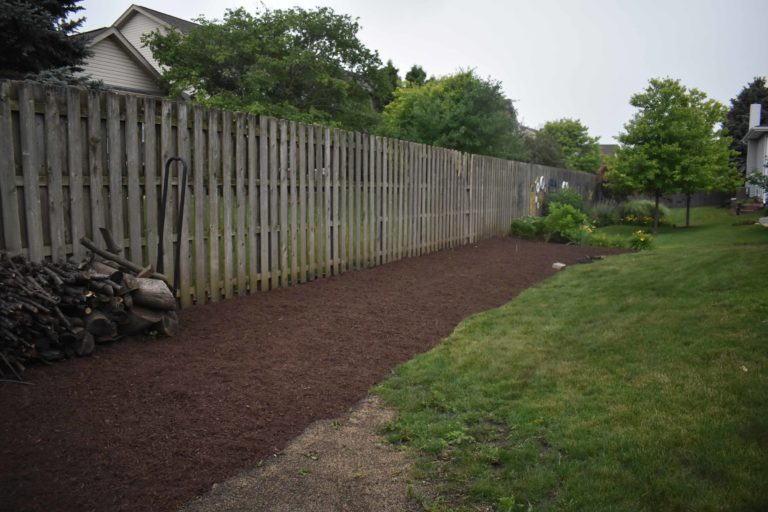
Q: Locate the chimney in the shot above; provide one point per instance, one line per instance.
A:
(754, 115)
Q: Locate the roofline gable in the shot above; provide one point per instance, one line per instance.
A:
(137, 56)
(149, 13)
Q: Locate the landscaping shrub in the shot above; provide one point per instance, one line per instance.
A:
(603, 239)
(640, 212)
(565, 221)
(530, 228)
(564, 196)
(604, 213)
(640, 240)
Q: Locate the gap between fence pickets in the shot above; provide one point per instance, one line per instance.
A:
(272, 202)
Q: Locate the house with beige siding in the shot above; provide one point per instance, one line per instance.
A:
(119, 58)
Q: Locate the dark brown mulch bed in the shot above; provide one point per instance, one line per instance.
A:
(148, 424)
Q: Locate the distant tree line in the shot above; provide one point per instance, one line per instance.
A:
(310, 65)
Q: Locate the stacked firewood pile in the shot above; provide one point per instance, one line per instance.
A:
(50, 311)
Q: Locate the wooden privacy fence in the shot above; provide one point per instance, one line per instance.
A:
(270, 203)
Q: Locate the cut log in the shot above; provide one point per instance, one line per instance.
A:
(133, 267)
(80, 341)
(112, 246)
(140, 319)
(169, 324)
(146, 272)
(102, 268)
(100, 325)
(151, 293)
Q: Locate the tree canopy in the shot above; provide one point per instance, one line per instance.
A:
(307, 65)
(580, 151)
(459, 111)
(35, 36)
(673, 143)
(544, 149)
(737, 120)
(416, 75)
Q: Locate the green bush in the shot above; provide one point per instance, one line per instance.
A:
(603, 239)
(641, 240)
(530, 228)
(565, 222)
(564, 196)
(604, 213)
(640, 212)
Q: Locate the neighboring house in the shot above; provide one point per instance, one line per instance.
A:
(119, 58)
(608, 149)
(756, 140)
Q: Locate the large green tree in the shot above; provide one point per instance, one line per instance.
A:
(385, 80)
(35, 36)
(307, 65)
(580, 151)
(674, 142)
(416, 75)
(460, 111)
(544, 149)
(737, 120)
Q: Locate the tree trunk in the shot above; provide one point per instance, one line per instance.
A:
(657, 195)
(688, 209)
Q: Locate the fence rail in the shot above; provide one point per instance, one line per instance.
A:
(270, 203)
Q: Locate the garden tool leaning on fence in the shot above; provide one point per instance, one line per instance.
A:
(179, 220)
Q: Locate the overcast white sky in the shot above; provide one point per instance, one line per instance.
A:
(580, 58)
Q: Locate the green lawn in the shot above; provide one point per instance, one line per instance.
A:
(635, 383)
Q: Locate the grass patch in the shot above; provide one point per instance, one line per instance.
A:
(635, 383)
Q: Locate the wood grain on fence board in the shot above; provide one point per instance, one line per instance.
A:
(150, 178)
(133, 164)
(8, 190)
(302, 171)
(75, 168)
(293, 201)
(252, 212)
(284, 230)
(214, 171)
(311, 204)
(31, 169)
(53, 152)
(227, 157)
(264, 203)
(274, 220)
(241, 236)
(200, 200)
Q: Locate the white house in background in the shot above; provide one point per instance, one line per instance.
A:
(119, 58)
(757, 150)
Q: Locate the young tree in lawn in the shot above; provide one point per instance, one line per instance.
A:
(737, 120)
(459, 111)
(673, 142)
(35, 37)
(307, 65)
(580, 151)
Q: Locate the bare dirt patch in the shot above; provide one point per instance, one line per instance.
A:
(147, 425)
(337, 464)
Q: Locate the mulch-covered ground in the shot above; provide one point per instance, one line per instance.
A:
(148, 424)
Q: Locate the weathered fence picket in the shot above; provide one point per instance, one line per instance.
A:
(268, 202)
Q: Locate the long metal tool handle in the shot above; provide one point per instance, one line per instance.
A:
(179, 220)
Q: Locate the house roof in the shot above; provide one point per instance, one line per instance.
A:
(94, 36)
(755, 133)
(181, 25)
(608, 149)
